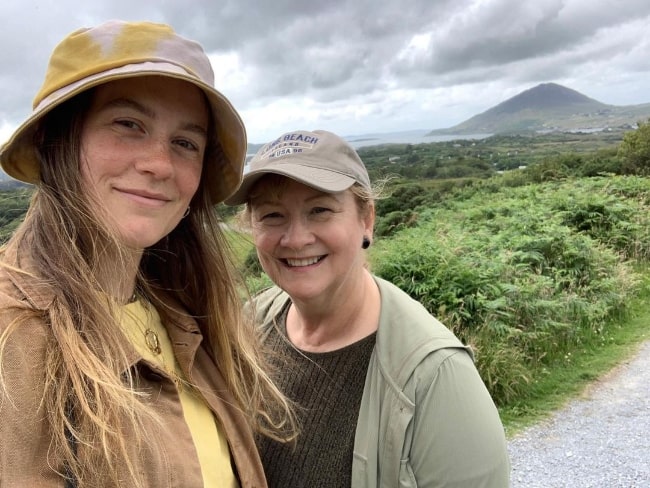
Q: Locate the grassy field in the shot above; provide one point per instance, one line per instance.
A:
(566, 381)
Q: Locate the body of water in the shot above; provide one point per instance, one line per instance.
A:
(406, 137)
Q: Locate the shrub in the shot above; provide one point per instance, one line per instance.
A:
(635, 150)
(604, 162)
(395, 221)
(252, 265)
(533, 269)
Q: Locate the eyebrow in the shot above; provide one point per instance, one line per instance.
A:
(143, 109)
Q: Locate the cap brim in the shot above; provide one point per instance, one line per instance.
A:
(317, 178)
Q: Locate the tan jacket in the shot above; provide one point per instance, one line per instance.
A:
(168, 460)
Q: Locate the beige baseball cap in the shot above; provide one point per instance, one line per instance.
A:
(319, 159)
(114, 50)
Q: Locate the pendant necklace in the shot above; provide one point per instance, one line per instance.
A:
(153, 343)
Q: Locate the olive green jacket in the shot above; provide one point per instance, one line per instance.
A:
(426, 419)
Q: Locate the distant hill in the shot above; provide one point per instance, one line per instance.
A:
(8, 183)
(549, 107)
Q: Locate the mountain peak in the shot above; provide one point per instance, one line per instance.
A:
(542, 97)
(547, 107)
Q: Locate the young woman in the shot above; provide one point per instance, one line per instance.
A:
(124, 357)
(386, 395)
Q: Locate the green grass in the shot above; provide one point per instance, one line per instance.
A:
(240, 244)
(567, 380)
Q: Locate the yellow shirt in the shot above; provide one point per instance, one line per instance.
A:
(143, 326)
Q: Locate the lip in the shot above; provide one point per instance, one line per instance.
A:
(144, 196)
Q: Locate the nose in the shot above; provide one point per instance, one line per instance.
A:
(156, 158)
(297, 235)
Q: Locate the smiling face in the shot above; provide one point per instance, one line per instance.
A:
(309, 242)
(142, 148)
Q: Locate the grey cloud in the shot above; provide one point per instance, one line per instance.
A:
(322, 45)
(341, 50)
(505, 31)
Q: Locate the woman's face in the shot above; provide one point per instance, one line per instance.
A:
(142, 148)
(309, 242)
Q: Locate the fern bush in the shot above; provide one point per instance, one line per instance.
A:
(610, 211)
(523, 274)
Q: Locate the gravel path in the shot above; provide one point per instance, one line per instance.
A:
(600, 440)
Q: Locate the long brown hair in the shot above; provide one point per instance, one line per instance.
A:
(90, 399)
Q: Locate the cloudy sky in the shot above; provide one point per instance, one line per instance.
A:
(361, 66)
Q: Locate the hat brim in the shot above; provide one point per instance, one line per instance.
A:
(317, 178)
(19, 158)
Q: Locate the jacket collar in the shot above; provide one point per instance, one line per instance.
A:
(405, 335)
(21, 269)
(23, 273)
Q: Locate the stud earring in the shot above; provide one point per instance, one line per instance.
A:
(365, 244)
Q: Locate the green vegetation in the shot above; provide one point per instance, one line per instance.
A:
(564, 380)
(482, 158)
(13, 206)
(525, 275)
(544, 270)
(635, 149)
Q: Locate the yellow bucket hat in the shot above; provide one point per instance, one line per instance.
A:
(114, 50)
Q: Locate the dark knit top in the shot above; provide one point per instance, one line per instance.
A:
(328, 388)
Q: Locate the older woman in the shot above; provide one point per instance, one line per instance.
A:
(124, 357)
(387, 396)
